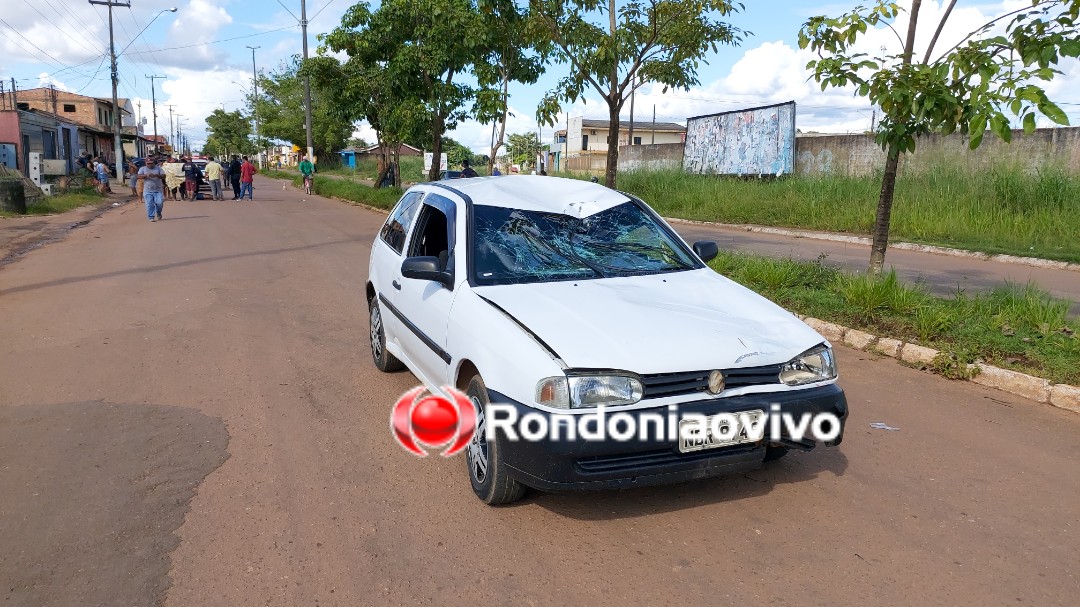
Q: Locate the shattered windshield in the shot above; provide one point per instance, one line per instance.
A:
(516, 246)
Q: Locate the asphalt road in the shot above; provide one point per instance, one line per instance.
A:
(189, 416)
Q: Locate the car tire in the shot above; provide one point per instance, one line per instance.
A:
(774, 453)
(384, 360)
(487, 472)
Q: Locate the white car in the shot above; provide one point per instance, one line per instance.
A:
(560, 296)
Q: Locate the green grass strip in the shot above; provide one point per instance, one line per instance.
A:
(1019, 327)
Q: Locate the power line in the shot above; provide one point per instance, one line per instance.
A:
(69, 36)
(44, 52)
(173, 48)
(328, 3)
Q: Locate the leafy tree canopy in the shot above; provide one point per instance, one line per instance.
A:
(281, 111)
(660, 41)
(995, 71)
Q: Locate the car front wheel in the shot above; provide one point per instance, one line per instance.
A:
(384, 361)
(487, 472)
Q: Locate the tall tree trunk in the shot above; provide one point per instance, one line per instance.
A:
(884, 213)
(383, 160)
(437, 126)
(502, 123)
(613, 147)
(614, 107)
(888, 181)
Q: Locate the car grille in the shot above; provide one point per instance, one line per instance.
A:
(691, 382)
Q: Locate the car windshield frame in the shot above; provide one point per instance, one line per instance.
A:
(689, 260)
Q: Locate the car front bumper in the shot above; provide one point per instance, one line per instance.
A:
(576, 464)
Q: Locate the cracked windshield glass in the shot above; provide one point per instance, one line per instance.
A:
(516, 246)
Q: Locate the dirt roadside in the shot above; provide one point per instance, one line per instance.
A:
(19, 235)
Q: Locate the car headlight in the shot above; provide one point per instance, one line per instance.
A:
(581, 391)
(814, 365)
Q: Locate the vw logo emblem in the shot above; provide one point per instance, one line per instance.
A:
(716, 382)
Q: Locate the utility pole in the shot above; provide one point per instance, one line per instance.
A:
(307, 85)
(170, 125)
(255, 99)
(117, 145)
(654, 123)
(153, 100)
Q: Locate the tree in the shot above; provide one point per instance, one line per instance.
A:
(357, 143)
(456, 153)
(281, 111)
(365, 91)
(966, 88)
(523, 148)
(422, 48)
(512, 53)
(229, 133)
(658, 41)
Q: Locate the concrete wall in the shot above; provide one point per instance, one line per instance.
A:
(859, 155)
(651, 157)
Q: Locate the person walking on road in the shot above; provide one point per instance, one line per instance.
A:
(152, 179)
(234, 176)
(213, 175)
(247, 173)
(307, 170)
(191, 178)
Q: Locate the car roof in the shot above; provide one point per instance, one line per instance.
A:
(539, 193)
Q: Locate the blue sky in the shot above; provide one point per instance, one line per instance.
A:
(202, 50)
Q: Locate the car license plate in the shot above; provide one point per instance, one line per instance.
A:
(707, 440)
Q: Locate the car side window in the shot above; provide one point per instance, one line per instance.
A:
(397, 225)
(433, 235)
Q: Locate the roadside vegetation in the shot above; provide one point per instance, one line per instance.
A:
(72, 199)
(1000, 210)
(1016, 327)
(345, 189)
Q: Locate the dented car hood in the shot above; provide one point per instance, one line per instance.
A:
(680, 321)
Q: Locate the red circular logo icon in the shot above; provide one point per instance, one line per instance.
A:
(433, 421)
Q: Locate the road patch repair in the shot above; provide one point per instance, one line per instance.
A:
(94, 493)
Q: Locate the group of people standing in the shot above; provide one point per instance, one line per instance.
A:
(156, 182)
(99, 169)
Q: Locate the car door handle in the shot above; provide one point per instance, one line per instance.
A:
(397, 285)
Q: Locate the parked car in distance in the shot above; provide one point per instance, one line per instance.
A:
(559, 297)
(450, 175)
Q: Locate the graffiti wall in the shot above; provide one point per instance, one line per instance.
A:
(755, 141)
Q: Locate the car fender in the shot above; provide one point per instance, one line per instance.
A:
(509, 358)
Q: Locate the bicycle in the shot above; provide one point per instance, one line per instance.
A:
(307, 184)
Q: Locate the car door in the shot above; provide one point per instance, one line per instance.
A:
(424, 305)
(385, 269)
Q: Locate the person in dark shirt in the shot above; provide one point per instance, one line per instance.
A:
(466, 170)
(191, 178)
(234, 176)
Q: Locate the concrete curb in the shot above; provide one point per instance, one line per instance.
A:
(1062, 396)
(907, 246)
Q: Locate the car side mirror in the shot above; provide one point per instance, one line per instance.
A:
(706, 249)
(427, 268)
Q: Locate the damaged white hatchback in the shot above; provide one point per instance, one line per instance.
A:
(561, 298)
